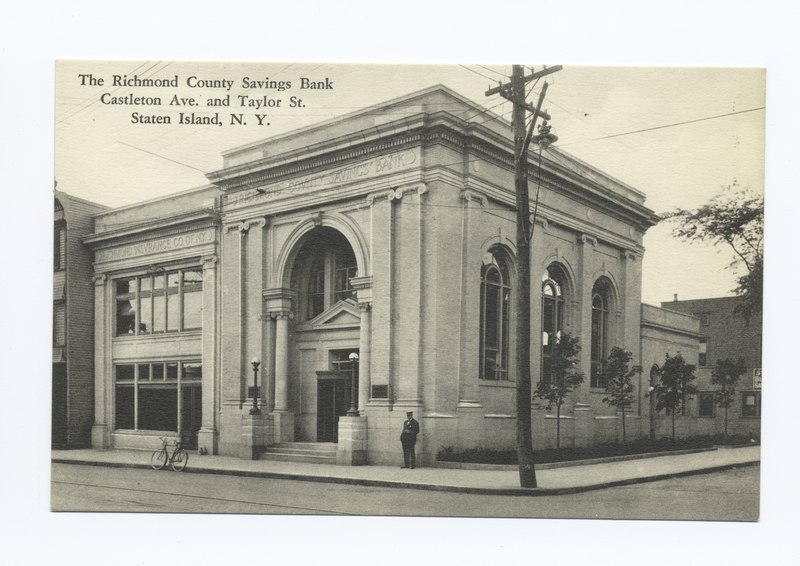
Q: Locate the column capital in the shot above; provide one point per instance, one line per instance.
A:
(99, 279)
(380, 195)
(629, 255)
(258, 222)
(209, 262)
(472, 196)
(282, 315)
(363, 288)
(418, 188)
(588, 239)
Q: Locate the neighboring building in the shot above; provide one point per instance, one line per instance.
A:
(389, 233)
(73, 323)
(665, 332)
(724, 334)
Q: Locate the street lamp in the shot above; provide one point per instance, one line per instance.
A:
(353, 412)
(255, 410)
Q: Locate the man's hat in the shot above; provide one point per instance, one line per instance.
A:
(409, 412)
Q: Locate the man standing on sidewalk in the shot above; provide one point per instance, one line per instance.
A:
(408, 438)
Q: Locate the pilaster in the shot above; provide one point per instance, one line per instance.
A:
(207, 437)
(468, 388)
(381, 234)
(586, 245)
(103, 381)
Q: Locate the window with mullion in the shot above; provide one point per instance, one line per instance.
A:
(552, 318)
(494, 320)
(599, 347)
(155, 304)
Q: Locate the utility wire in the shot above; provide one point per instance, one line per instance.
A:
(673, 125)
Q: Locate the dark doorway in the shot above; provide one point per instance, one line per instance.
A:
(59, 422)
(191, 414)
(333, 394)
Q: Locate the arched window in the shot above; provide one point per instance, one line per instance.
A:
(322, 272)
(600, 308)
(495, 310)
(553, 289)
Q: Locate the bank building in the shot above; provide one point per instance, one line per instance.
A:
(367, 265)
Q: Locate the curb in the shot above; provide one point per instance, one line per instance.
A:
(538, 491)
(567, 463)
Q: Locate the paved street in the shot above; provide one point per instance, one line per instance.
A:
(727, 495)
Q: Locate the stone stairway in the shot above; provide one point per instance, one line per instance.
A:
(306, 452)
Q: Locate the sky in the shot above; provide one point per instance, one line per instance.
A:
(597, 112)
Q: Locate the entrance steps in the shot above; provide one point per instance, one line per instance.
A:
(305, 452)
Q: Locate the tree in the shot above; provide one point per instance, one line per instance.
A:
(619, 386)
(675, 383)
(734, 218)
(726, 375)
(564, 377)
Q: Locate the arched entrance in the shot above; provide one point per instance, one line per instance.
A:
(325, 332)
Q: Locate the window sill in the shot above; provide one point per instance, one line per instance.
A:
(496, 383)
(159, 336)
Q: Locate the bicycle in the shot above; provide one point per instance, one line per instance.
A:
(161, 457)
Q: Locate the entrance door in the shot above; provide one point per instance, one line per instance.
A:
(332, 403)
(59, 422)
(191, 414)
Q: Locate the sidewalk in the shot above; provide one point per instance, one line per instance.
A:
(551, 481)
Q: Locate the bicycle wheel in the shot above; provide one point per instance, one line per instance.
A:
(179, 460)
(158, 459)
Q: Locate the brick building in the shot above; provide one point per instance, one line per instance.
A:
(724, 334)
(73, 322)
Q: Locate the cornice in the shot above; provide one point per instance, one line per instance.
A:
(260, 172)
(178, 224)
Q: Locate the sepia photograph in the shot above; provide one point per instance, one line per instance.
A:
(312, 288)
(409, 283)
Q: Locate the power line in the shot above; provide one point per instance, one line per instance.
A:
(477, 73)
(162, 157)
(491, 70)
(676, 124)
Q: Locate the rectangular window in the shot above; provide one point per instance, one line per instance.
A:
(124, 398)
(316, 290)
(192, 299)
(705, 406)
(59, 324)
(751, 403)
(154, 304)
(702, 356)
(342, 288)
(146, 396)
(59, 248)
(159, 305)
(126, 306)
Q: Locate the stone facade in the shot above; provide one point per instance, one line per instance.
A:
(379, 233)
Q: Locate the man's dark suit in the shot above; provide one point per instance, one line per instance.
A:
(408, 438)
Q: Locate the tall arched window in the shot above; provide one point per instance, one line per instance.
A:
(600, 308)
(553, 289)
(322, 272)
(495, 310)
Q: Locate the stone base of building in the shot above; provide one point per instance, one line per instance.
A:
(207, 441)
(283, 426)
(101, 437)
(352, 443)
(256, 434)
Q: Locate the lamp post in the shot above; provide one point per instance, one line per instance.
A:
(255, 410)
(353, 412)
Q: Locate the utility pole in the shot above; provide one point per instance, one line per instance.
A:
(515, 92)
